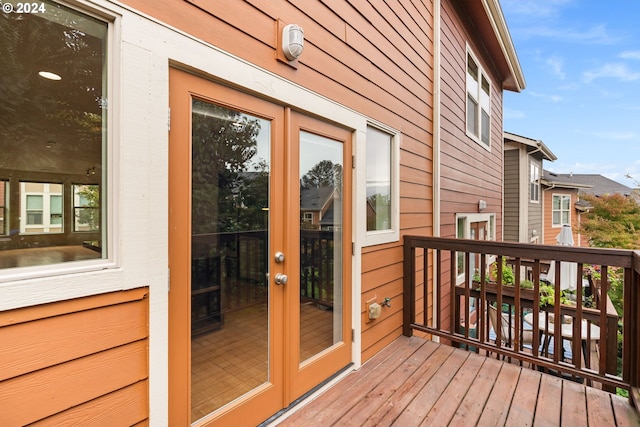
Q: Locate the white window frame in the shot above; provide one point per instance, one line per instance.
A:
(534, 182)
(474, 89)
(45, 225)
(470, 218)
(392, 234)
(57, 271)
(561, 210)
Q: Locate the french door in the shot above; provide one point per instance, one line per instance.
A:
(259, 253)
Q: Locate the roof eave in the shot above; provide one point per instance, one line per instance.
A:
(515, 80)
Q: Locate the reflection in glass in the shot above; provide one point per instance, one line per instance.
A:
(378, 180)
(321, 249)
(42, 208)
(229, 269)
(3, 207)
(86, 206)
(52, 133)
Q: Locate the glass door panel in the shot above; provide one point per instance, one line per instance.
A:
(321, 247)
(229, 262)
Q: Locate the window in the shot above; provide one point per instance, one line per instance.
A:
(4, 195)
(475, 227)
(34, 210)
(561, 212)
(86, 207)
(53, 134)
(378, 180)
(382, 186)
(42, 208)
(478, 103)
(534, 182)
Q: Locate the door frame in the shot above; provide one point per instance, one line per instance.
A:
(180, 88)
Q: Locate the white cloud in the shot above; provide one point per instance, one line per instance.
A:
(552, 98)
(557, 66)
(630, 54)
(534, 8)
(612, 70)
(616, 135)
(513, 114)
(594, 35)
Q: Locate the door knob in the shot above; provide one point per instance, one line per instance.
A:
(279, 257)
(281, 279)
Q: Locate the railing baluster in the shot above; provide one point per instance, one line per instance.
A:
(436, 281)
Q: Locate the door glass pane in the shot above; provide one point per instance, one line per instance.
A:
(229, 286)
(321, 248)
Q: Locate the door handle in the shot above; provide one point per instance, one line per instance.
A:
(279, 257)
(281, 279)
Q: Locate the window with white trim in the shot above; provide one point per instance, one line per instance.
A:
(478, 103)
(382, 183)
(534, 182)
(474, 227)
(54, 135)
(4, 197)
(561, 210)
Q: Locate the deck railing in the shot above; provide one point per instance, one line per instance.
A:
(467, 281)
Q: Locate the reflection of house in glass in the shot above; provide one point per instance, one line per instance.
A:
(317, 207)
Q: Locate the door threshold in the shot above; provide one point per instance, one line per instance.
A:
(300, 402)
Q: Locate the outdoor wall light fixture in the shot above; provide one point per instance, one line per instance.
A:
(482, 205)
(292, 41)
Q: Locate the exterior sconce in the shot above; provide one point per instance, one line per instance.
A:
(292, 41)
(482, 205)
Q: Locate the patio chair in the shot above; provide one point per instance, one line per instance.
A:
(526, 337)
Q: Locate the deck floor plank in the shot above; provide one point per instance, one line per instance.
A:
(574, 397)
(390, 383)
(448, 403)
(497, 408)
(624, 413)
(470, 409)
(414, 381)
(524, 399)
(600, 409)
(549, 401)
(386, 414)
(425, 398)
(337, 400)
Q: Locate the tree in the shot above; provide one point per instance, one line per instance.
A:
(324, 174)
(612, 222)
(227, 195)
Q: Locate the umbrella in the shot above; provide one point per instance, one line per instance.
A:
(568, 270)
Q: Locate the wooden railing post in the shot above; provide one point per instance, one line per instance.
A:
(632, 330)
(409, 294)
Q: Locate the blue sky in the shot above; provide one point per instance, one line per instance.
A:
(581, 62)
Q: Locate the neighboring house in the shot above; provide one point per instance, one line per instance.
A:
(316, 207)
(564, 205)
(474, 68)
(523, 198)
(164, 286)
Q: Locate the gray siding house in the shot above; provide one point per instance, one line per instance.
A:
(523, 202)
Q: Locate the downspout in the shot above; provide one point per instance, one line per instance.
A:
(436, 118)
(436, 145)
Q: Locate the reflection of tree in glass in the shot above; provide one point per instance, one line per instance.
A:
(324, 174)
(380, 214)
(88, 213)
(29, 42)
(227, 195)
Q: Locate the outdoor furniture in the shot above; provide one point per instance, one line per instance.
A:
(546, 325)
(509, 326)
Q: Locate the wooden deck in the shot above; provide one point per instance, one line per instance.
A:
(418, 382)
